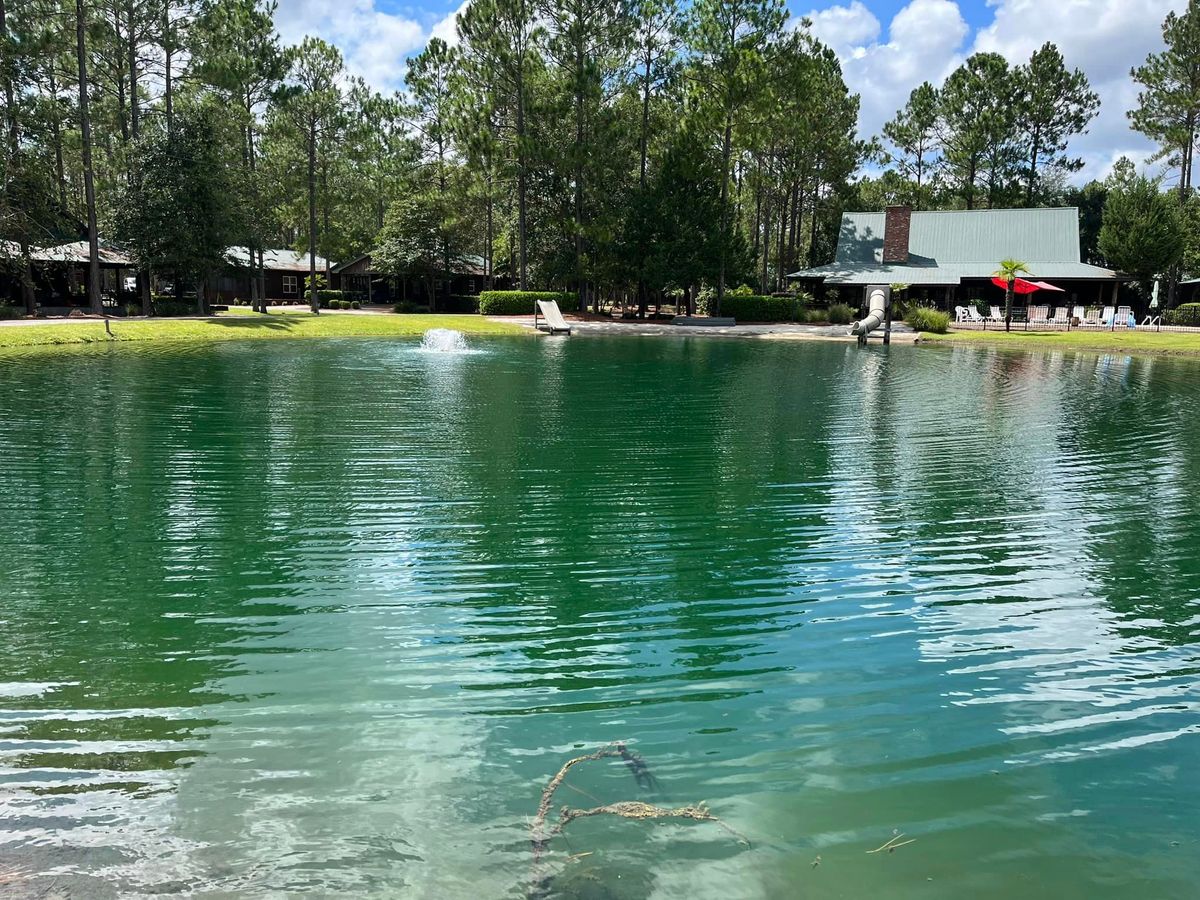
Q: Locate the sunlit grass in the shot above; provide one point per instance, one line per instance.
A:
(246, 326)
(1132, 341)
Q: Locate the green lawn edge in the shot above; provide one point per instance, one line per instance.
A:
(243, 327)
(1122, 341)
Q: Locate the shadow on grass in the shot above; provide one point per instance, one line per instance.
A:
(277, 323)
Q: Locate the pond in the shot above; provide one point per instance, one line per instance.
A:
(327, 616)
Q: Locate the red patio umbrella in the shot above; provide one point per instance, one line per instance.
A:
(1020, 285)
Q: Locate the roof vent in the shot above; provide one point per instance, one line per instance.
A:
(896, 223)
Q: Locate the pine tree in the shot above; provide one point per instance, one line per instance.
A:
(1055, 105)
(1168, 110)
(913, 135)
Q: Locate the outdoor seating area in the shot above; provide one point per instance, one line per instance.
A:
(1058, 318)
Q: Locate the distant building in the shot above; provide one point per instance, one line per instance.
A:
(60, 275)
(949, 256)
(361, 277)
(285, 271)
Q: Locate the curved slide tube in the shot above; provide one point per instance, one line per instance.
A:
(878, 296)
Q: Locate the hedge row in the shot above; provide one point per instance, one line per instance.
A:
(459, 303)
(169, 306)
(759, 307)
(1184, 314)
(521, 303)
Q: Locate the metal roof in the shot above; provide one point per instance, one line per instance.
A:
(946, 246)
(285, 260)
(73, 252)
(465, 264)
(950, 274)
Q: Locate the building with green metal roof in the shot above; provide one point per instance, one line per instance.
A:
(951, 254)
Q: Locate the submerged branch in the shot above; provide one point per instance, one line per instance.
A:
(541, 835)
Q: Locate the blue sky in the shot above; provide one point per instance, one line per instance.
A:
(887, 47)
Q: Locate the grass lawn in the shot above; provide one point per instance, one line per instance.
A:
(1082, 339)
(238, 326)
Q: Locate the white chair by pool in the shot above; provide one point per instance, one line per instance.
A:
(555, 322)
(960, 314)
(1124, 316)
(1106, 315)
(996, 314)
(1061, 316)
(1039, 315)
(973, 314)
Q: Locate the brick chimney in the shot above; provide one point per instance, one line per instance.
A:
(895, 234)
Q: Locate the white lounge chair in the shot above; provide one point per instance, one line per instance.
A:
(1091, 317)
(973, 315)
(1124, 316)
(553, 317)
(960, 314)
(1038, 315)
(1106, 316)
(1061, 316)
(996, 314)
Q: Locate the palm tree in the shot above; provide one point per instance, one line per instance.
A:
(1008, 271)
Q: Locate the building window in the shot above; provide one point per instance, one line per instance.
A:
(289, 284)
(471, 287)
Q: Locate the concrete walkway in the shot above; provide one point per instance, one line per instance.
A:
(780, 331)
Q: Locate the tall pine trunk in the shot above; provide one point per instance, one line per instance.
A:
(89, 180)
(314, 300)
(726, 154)
(168, 50)
(643, 299)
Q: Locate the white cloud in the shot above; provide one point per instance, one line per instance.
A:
(924, 43)
(374, 43)
(447, 28)
(843, 28)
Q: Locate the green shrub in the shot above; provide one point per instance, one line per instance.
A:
(758, 308)
(404, 307)
(169, 306)
(1184, 314)
(751, 307)
(354, 304)
(11, 312)
(815, 315)
(327, 299)
(922, 318)
(518, 303)
(840, 314)
(133, 309)
(459, 303)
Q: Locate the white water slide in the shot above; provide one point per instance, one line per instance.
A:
(879, 298)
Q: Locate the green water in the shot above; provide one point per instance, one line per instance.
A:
(325, 617)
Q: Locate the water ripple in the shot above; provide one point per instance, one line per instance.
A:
(325, 618)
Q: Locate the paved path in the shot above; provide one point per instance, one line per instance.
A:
(785, 331)
(780, 331)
